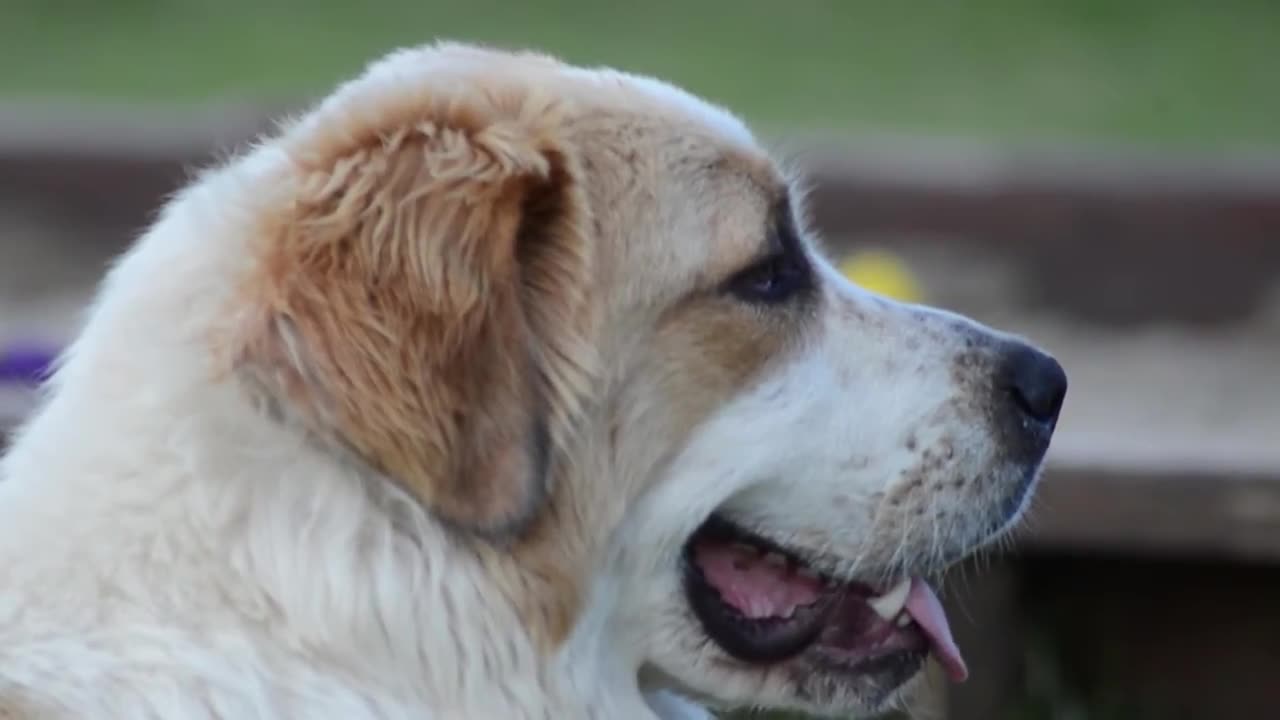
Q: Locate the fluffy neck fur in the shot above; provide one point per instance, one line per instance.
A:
(189, 556)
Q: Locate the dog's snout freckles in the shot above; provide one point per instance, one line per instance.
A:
(966, 411)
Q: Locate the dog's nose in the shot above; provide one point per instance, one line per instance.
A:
(1036, 383)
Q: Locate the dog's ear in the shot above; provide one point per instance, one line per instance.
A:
(420, 295)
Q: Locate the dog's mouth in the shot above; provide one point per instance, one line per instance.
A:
(764, 604)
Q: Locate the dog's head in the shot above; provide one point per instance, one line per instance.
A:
(578, 317)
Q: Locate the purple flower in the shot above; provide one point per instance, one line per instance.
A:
(25, 364)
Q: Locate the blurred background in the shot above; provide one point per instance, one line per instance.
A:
(1103, 175)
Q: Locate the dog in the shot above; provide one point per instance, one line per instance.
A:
(498, 387)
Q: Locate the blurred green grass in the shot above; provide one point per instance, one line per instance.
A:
(1157, 71)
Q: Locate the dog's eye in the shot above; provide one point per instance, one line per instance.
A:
(772, 280)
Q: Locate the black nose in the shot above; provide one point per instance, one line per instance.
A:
(1036, 383)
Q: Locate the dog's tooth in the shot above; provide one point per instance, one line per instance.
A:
(775, 559)
(891, 603)
(904, 620)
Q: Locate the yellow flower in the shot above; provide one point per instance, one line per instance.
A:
(883, 273)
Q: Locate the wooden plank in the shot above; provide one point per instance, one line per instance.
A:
(1193, 513)
(1105, 255)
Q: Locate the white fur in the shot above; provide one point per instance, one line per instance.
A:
(168, 551)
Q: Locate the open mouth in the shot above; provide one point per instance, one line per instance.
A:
(764, 604)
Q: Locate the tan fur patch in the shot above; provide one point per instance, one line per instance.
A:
(422, 299)
(720, 348)
(720, 344)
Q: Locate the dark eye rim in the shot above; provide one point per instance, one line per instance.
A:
(775, 279)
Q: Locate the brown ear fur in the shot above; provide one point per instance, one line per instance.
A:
(422, 300)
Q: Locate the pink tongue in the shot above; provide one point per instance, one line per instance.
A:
(925, 608)
(756, 588)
